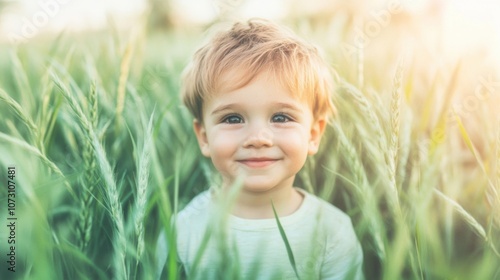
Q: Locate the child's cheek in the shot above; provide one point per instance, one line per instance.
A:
(292, 140)
(224, 144)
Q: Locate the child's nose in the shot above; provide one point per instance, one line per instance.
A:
(259, 137)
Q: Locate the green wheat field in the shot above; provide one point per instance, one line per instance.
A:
(104, 153)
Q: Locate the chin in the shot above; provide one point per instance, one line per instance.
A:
(257, 186)
(254, 189)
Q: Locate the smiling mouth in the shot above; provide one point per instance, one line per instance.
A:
(258, 162)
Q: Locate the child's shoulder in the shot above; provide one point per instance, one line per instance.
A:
(321, 205)
(325, 213)
(198, 205)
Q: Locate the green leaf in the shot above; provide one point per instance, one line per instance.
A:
(287, 245)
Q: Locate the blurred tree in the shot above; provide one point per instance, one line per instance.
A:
(160, 16)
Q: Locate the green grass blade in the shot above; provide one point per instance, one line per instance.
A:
(287, 244)
(478, 228)
(43, 157)
(18, 109)
(470, 146)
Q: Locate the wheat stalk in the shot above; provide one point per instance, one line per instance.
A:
(90, 177)
(35, 151)
(50, 164)
(122, 83)
(404, 155)
(464, 214)
(142, 187)
(362, 188)
(25, 118)
(20, 76)
(352, 156)
(111, 189)
(367, 110)
(394, 138)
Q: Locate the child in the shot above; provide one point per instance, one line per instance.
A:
(261, 100)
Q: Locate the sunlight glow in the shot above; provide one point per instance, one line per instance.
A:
(464, 23)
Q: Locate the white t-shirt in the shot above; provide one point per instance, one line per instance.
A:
(321, 237)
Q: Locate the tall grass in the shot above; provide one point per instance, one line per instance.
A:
(106, 156)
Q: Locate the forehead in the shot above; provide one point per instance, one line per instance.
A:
(261, 92)
(269, 80)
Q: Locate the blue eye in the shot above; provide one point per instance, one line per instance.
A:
(232, 119)
(281, 118)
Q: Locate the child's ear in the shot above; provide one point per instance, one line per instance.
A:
(201, 135)
(317, 129)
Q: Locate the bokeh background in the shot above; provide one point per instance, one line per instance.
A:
(104, 153)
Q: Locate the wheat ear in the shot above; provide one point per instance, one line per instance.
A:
(109, 180)
(90, 179)
(142, 188)
(394, 138)
(362, 189)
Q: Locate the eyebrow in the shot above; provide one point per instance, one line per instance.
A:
(280, 105)
(288, 106)
(223, 108)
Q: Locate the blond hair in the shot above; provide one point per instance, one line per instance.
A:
(235, 57)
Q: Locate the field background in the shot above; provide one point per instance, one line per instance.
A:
(105, 154)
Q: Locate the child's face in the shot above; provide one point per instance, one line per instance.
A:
(260, 132)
